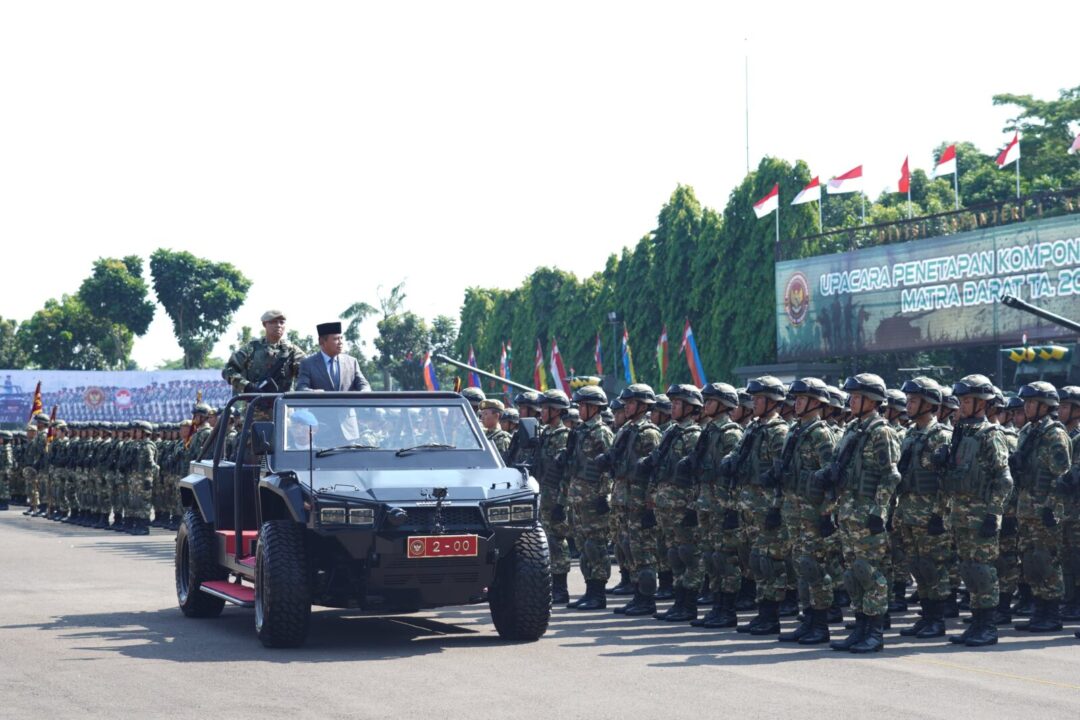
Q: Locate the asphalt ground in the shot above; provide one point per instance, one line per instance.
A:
(89, 628)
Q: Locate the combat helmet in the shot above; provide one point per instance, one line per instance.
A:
(1069, 394)
(978, 386)
(687, 393)
(1040, 391)
(663, 403)
(726, 394)
(473, 394)
(591, 395)
(868, 385)
(811, 387)
(555, 398)
(924, 387)
(768, 386)
(640, 392)
(896, 399)
(529, 398)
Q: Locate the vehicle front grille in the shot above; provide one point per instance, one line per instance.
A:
(457, 519)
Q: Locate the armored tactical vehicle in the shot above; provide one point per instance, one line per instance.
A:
(380, 502)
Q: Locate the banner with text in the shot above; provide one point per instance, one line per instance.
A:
(930, 293)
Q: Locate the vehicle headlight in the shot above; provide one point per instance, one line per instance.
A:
(332, 516)
(519, 513)
(498, 514)
(361, 516)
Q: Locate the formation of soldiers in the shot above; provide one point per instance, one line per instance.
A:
(808, 499)
(121, 476)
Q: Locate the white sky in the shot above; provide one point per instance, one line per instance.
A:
(328, 148)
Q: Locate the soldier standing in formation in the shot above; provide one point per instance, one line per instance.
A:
(548, 470)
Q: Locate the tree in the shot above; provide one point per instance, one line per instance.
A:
(11, 355)
(64, 335)
(200, 296)
(116, 291)
(307, 343)
(403, 339)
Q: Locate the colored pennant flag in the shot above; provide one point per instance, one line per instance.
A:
(627, 358)
(661, 356)
(693, 359)
(768, 204)
(431, 380)
(509, 359)
(849, 182)
(558, 372)
(38, 406)
(810, 193)
(904, 184)
(474, 379)
(1075, 147)
(52, 426)
(1011, 153)
(598, 355)
(946, 164)
(504, 366)
(539, 377)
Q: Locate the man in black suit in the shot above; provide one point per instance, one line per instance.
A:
(330, 369)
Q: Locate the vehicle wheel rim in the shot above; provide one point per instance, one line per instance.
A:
(183, 573)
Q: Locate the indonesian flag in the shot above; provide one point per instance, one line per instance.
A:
(946, 164)
(558, 372)
(810, 193)
(1011, 153)
(539, 376)
(598, 356)
(769, 203)
(904, 184)
(849, 182)
(1075, 147)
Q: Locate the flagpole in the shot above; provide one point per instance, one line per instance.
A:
(956, 183)
(820, 219)
(1017, 169)
(778, 223)
(909, 199)
(863, 196)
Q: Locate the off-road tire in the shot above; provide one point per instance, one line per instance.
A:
(195, 563)
(520, 596)
(282, 590)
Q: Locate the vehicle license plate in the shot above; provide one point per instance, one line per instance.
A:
(426, 546)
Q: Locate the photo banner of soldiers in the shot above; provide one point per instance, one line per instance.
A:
(937, 292)
(84, 395)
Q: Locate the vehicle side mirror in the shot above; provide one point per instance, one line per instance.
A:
(262, 438)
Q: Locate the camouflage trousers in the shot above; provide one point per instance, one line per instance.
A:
(898, 568)
(928, 555)
(16, 484)
(592, 530)
(864, 557)
(809, 553)
(977, 555)
(720, 548)
(1008, 560)
(110, 498)
(683, 551)
(643, 543)
(619, 522)
(767, 557)
(1040, 553)
(5, 487)
(140, 488)
(1070, 557)
(557, 532)
(33, 494)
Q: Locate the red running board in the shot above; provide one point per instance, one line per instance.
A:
(234, 593)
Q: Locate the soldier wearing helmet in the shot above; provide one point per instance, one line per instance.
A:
(921, 506)
(548, 470)
(586, 490)
(834, 413)
(949, 406)
(475, 396)
(895, 409)
(528, 404)
(1043, 458)
(620, 500)
(491, 411)
(978, 481)
(660, 413)
(748, 471)
(864, 475)
(1069, 413)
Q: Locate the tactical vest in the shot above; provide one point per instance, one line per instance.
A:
(798, 479)
(625, 465)
(666, 464)
(966, 474)
(581, 465)
(863, 484)
(1035, 477)
(549, 473)
(919, 480)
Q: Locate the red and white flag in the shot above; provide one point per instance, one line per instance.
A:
(557, 371)
(1075, 147)
(810, 193)
(769, 203)
(849, 182)
(946, 164)
(1011, 153)
(598, 356)
(904, 184)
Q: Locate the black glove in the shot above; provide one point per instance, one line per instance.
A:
(683, 475)
(558, 514)
(645, 466)
(250, 388)
(689, 520)
(601, 505)
(936, 526)
(772, 519)
(940, 458)
(1048, 519)
(267, 386)
(1009, 526)
(824, 477)
(875, 524)
(826, 526)
(648, 519)
(731, 520)
(989, 526)
(602, 462)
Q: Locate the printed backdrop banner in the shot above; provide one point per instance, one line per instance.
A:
(158, 396)
(930, 293)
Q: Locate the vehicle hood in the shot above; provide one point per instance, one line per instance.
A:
(397, 486)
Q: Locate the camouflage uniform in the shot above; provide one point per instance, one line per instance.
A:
(721, 527)
(549, 473)
(144, 469)
(32, 465)
(7, 463)
(642, 439)
(762, 444)
(1070, 533)
(500, 439)
(922, 508)
(253, 362)
(585, 492)
(1008, 562)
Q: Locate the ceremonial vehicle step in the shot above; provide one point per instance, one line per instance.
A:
(230, 592)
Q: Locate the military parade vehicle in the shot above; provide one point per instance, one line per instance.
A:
(380, 502)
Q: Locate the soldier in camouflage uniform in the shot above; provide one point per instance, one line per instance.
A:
(509, 420)
(268, 364)
(1069, 414)
(490, 412)
(1042, 460)
(201, 418)
(548, 471)
(33, 464)
(618, 518)
(660, 415)
(977, 480)
(144, 470)
(671, 494)
(897, 569)
(7, 463)
(522, 445)
(475, 396)
(1008, 562)
(751, 465)
(636, 533)
(807, 449)
(585, 490)
(921, 506)
(720, 528)
(864, 475)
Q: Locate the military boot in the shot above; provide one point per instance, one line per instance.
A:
(922, 622)
(753, 622)
(712, 615)
(770, 619)
(625, 587)
(935, 617)
(621, 610)
(818, 632)
(834, 615)
(646, 605)
(1025, 605)
(801, 629)
(872, 640)
(841, 598)
(1070, 608)
(139, 527)
(898, 603)
(679, 593)
(1047, 616)
(789, 606)
(1003, 611)
(665, 590)
(952, 609)
(688, 610)
(962, 638)
(746, 598)
(856, 635)
(559, 593)
(984, 631)
(726, 617)
(594, 599)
